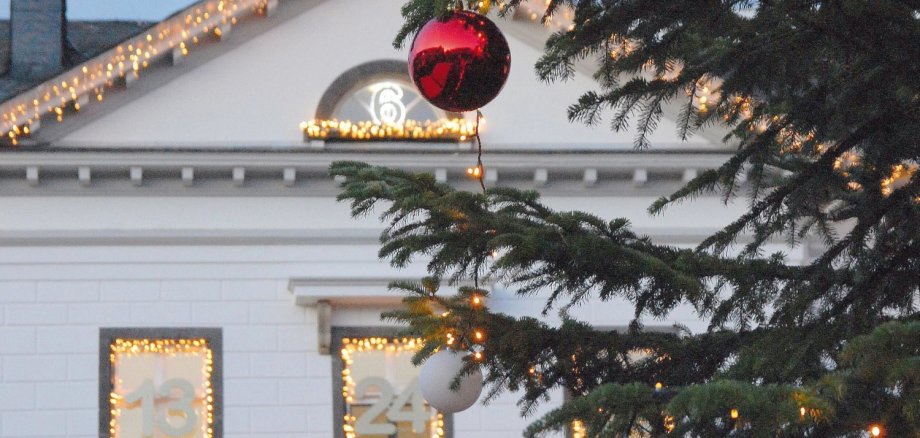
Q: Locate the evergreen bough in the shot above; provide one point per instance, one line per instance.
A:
(821, 100)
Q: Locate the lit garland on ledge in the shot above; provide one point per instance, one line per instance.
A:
(350, 346)
(171, 347)
(73, 88)
(444, 130)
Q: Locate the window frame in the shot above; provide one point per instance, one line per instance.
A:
(338, 400)
(214, 336)
(360, 76)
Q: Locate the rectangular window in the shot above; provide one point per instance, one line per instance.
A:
(376, 387)
(160, 382)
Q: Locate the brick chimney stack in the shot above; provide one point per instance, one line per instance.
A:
(37, 38)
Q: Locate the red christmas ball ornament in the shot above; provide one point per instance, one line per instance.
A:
(461, 63)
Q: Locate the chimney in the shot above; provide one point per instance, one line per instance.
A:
(37, 38)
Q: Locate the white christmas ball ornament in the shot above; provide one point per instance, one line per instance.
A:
(435, 377)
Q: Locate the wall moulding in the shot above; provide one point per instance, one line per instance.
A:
(304, 171)
(327, 295)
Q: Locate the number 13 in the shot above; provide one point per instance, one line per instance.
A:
(179, 407)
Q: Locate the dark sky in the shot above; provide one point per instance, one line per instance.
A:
(145, 10)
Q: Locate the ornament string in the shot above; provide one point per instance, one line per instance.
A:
(481, 178)
(482, 170)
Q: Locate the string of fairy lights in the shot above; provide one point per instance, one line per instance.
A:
(355, 346)
(126, 348)
(20, 116)
(69, 91)
(475, 335)
(578, 428)
(534, 9)
(705, 93)
(442, 130)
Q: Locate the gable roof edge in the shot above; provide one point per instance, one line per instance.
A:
(22, 114)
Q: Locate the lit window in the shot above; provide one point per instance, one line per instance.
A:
(376, 102)
(387, 102)
(161, 382)
(380, 395)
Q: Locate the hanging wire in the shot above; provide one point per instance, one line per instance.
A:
(482, 170)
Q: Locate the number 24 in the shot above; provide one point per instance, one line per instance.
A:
(393, 405)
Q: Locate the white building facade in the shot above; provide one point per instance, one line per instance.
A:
(187, 205)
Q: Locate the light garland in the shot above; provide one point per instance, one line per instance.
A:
(847, 161)
(475, 300)
(21, 116)
(707, 89)
(534, 10)
(669, 423)
(875, 430)
(707, 93)
(172, 347)
(900, 176)
(452, 130)
(578, 429)
(352, 346)
(794, 141)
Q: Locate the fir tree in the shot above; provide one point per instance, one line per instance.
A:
(822, 101)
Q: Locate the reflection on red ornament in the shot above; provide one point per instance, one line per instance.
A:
(461, 63)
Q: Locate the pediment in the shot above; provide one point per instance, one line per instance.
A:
(260, 83)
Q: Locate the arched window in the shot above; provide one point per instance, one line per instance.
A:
(376, 101)
(388, 100)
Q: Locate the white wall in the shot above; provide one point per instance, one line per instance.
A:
(274, 386)
(53, 300)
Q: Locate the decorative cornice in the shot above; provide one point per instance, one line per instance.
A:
(286, 237)
(304, 171)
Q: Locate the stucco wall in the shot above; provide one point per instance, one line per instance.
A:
(49, 347)
(275, 382)
(121, 261)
